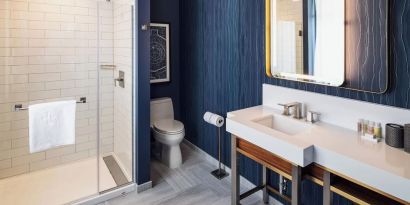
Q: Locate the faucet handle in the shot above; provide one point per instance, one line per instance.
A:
(312, 116)
(286, 109)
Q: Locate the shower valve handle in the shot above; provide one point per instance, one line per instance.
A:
(118, 80)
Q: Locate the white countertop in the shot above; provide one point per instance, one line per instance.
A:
(339, 149)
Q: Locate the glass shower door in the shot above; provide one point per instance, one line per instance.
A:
(52, 51)
(116, 71)
(48, 53)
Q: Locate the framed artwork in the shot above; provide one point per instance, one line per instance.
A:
(160, 65)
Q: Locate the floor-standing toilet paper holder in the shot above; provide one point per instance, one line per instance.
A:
(217, 121)
(219, 173)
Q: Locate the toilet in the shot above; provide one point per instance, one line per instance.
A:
(167, 131)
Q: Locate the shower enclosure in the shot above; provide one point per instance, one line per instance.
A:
(55, 50)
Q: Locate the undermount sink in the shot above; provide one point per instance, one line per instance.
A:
(283, 124)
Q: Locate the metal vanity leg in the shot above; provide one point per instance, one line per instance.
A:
(265, 183)
(234, 172)
(296, 184)
(327, 194)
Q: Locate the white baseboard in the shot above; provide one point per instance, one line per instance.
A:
(144, 187)
(244, 182)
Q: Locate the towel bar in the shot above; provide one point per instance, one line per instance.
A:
(19, 107)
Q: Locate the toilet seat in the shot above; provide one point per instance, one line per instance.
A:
(168, 126)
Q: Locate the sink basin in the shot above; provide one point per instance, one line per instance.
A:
(283, 124)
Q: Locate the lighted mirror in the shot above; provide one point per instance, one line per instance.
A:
(305, 40)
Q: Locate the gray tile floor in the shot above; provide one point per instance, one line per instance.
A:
(191, 184)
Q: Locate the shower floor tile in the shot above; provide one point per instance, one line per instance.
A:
(57, 185)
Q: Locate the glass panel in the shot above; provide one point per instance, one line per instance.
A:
(115, 31)
(65, 51)
(48, 53)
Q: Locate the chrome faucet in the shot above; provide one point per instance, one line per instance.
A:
(297, 109)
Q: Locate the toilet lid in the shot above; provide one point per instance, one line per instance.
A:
(169, 126)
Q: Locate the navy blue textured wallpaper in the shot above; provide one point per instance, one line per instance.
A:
(142, 95)
(165, 11)
(222, 69)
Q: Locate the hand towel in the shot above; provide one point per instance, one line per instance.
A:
(51, 125)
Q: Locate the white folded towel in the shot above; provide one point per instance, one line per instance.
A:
(51, 125)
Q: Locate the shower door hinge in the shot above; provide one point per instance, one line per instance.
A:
(144, 27)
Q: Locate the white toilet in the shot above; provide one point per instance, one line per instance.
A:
(167, 131)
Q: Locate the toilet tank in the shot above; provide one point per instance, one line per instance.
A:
(161, 108)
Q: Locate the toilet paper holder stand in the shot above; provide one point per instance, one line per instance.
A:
(219, 173)
(217, 121)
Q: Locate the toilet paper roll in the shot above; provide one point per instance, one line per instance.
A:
(214, 119)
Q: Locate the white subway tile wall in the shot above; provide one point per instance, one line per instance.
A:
(123, 96)
(293, 11)
(48, 52)
(106, 50)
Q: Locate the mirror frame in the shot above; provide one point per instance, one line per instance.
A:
(309, 79)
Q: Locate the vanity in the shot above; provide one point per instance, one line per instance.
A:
(323, 43)
(329, 152)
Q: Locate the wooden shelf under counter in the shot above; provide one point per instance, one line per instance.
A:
(360, 194)
(354, 191)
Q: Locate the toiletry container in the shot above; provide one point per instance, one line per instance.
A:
(360, 125)
(395, 135)
(378, 131)
(364, 127)
(407, 138)
(370, 128)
